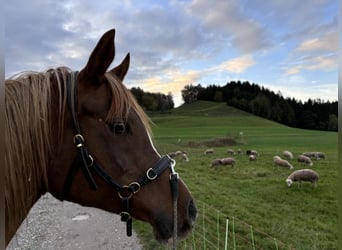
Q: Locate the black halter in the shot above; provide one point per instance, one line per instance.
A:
(89, 165)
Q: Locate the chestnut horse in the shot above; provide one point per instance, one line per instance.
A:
(83, 138)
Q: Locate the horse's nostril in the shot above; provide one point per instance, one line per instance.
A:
(192, 211)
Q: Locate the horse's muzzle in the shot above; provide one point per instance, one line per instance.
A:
(191, 213)
(163, 229)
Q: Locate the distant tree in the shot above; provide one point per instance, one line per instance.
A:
(153, 101)
(189, 93)
(277, 112)
(138, 94)
(332, 123)
(170, 100)
(149, 102)
(260, 106)
(308, 119)
(218, 97)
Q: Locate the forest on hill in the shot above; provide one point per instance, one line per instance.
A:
(313, 114)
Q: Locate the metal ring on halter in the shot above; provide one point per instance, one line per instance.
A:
(79, 137)
(136, 184)
(128, 196)
(151, 178)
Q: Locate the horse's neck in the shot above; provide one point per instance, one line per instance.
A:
(18, 210)
(26, 154)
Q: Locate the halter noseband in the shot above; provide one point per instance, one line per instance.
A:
(87, 162)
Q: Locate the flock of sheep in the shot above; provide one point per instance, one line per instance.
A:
(306, 158)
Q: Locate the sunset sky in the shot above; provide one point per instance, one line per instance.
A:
(284, 45)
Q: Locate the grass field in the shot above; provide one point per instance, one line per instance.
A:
(254, 193)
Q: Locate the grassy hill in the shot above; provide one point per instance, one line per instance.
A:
(252, 192)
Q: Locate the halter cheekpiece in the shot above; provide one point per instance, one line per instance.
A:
(89, 166)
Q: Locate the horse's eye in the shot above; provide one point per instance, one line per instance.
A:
(118, 128)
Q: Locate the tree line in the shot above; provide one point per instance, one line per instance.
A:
(312, 114)
(153, 101)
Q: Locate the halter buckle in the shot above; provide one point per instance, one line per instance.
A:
(78, 140)
(151, 178)
(125, 216)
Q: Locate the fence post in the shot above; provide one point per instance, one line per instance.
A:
(252, 237)
(204, 240)
(234, 244)
(275, 242)
(226, 241)
(218, 230)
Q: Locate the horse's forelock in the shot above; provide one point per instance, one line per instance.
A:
(122, 101)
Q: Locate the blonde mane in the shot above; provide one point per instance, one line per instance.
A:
(29, 97)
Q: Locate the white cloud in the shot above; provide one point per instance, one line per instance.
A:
(173, 43)
(229, 24)
(237, 65)
(327, 42)
(319, 53)
(325, 63)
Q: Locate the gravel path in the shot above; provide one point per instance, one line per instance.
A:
(55, 225)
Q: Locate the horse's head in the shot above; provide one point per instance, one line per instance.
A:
(114, 131)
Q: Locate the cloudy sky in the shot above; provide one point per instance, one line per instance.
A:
(285, 45)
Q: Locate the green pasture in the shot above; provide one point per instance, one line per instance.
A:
(252, 192)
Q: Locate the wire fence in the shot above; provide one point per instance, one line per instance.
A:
(215, 230)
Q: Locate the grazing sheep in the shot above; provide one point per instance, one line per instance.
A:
(303, 175)
(315, 155)
(239, 151)
(252, 157)
(228, 161)
(320, 155)
(282, 163)
(230, 152)
(209, 151)
(185, 157)
(178, 152)
(288, 155)
(310, 154)
(276, 158)
(251, 152)
(305, 159)
(172, 154)
(215, 163)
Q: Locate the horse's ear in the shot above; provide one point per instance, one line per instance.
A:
(101, 57)
(121, 70)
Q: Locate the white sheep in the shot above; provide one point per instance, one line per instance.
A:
(209, 151)
(282, 163)
(252, 157)
(309, 154)
(303, 175)
(305, 159)
(239, 151)
(178, 152)
(320, 155)
(315, 155)
(172, 154)
(251, 152)
(228, 161)
(185, 157)
(230, 152)
(215, 162)
(287, 154)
